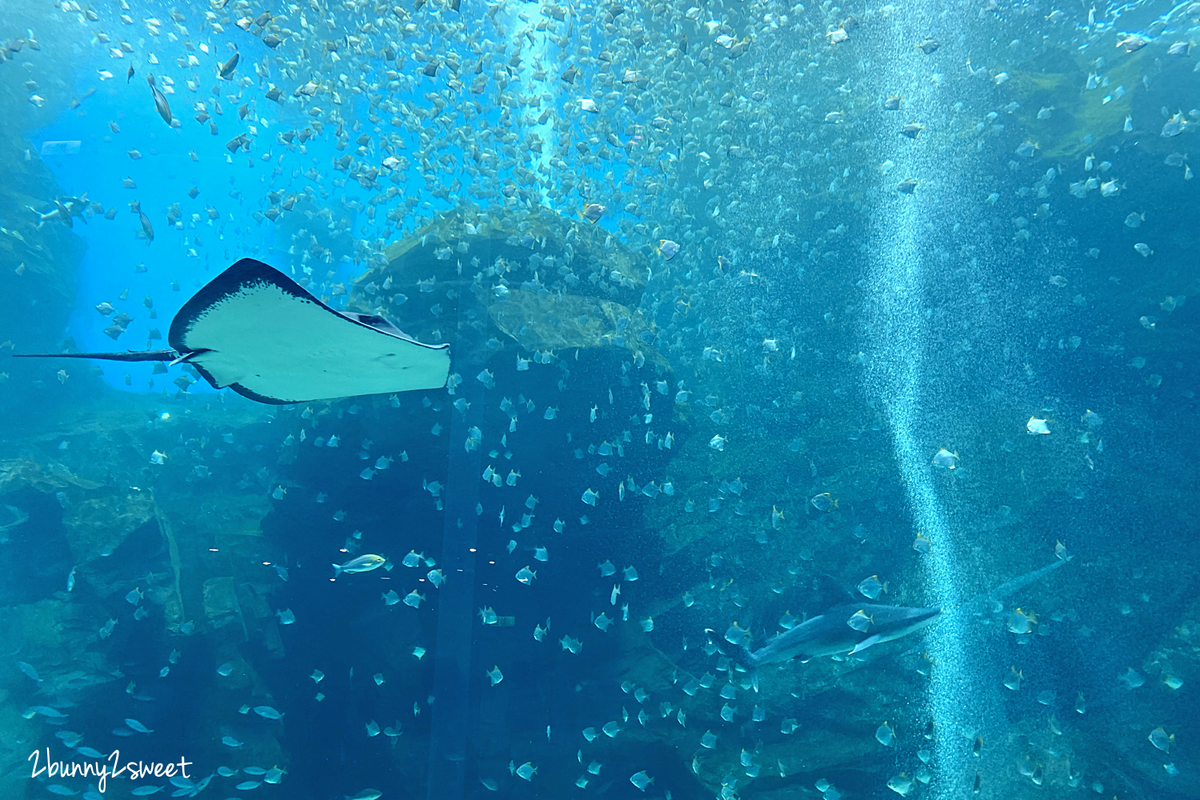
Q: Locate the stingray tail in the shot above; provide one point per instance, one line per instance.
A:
(128, 355)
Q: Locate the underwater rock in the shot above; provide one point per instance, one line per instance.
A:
(35, 262)
(1059, 79)
(50, 254)
(51, 478)
(10, 517)
(204, 538)
(833, 698)
(560, 322)
(260, 620)
(222, 610)
(97, 526)
(13, 778)
(544, 280)
(56, 636)
(39, 495)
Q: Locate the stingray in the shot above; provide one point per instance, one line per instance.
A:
(258, 332)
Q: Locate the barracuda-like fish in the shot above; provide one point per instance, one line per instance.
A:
(836, 632)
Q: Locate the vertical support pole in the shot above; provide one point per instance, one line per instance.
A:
(449, 740)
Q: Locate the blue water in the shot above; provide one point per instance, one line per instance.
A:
(760, 415)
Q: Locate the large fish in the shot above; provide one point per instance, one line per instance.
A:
(226, 70)
(260, 333)
(160, 100)
(853, 627)
(842, 630)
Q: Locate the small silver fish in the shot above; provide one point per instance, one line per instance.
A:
(266, 712)
(137, 726)
(29, 671)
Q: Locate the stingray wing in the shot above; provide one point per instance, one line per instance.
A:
(263, 335)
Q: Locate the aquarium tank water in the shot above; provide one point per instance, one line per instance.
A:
(607, 399)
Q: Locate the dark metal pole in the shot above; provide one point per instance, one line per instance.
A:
(449, 741)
